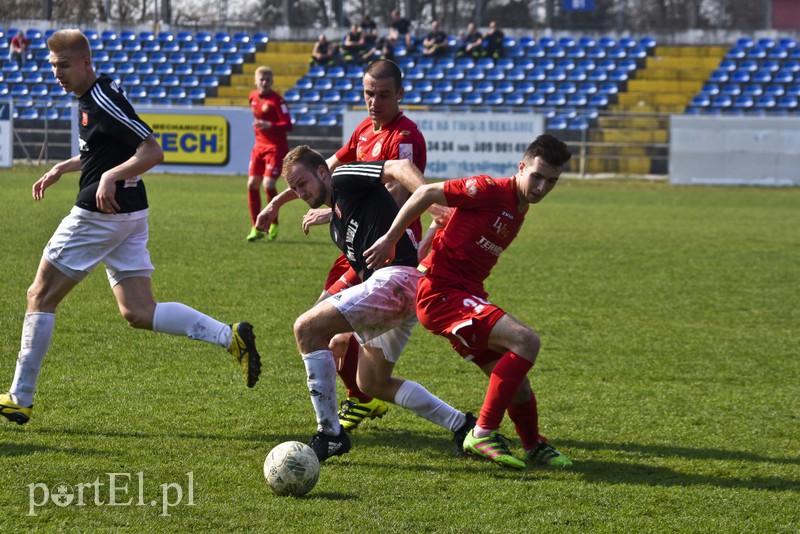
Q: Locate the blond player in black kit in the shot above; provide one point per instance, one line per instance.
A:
(108, 224)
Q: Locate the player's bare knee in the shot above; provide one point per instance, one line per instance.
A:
(136, 318)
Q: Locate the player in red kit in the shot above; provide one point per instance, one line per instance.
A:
(271, 123)
(385, 134)
(452, 302)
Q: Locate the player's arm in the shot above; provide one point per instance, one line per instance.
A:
(425, 196)
(147, 156)
(54, 174)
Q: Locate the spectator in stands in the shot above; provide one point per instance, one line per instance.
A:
(400, 30)
(324, 52)
(435, 43)
(271, 122)
(353, 45)
(18, 50)
(370, 32)
(470, 43)
(493, 41)
(382, 49)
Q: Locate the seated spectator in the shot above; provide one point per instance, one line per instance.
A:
(382, 49)
(353, 45)
(18, 49)
(435, 43)
(324, 53)
(400, 32)
(493, 41)
(370, 32)
(470, 42)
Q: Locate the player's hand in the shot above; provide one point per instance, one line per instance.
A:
(266, 217)
(427, 241)
(338, 345)
(51, 177)
(381, 253)
(316, 216)
(106, 190)
(441, 214)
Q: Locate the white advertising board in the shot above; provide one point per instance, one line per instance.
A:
(466, 144)
(719, 150)
(6, 134)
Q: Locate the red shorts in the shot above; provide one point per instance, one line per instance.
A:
(267, 161)
(463, 318)
(341, 276)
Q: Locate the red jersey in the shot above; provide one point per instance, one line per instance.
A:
(271, 108)
(486, 220)
(398, 139)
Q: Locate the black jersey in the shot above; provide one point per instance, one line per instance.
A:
(110, 132)
(363, 210)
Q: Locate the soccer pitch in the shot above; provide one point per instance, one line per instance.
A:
(669, 372)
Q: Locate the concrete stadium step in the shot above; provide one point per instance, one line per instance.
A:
(619, 135)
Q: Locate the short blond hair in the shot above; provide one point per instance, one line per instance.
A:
(72, 40)
(263, 70)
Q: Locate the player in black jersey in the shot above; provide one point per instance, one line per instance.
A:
(380, 310)
(107, 224)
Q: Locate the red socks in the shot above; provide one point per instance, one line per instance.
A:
(526, 422)
(254, 202)
(504, 382)
(348, 372)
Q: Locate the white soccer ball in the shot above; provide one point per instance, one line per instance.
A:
(291, 468)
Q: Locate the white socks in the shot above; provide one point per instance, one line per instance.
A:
(321, 373)
(422, 402)
(181, 320)
(37, 331)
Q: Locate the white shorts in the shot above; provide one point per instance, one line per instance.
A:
(85, 238)
(383, 310)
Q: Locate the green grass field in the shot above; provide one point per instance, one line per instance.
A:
(669, 372)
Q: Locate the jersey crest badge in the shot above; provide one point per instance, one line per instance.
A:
(84, 118)
(471, 186)
(376, 149)
(264, 108)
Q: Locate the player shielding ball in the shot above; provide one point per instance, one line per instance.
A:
(380, 310)
(452, 302)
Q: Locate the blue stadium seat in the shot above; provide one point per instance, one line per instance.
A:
(215, 58)
(261, 38)
(494, 99)
(19, 90)
(700, 101)
(140, 57)
(331, 96)
(176, 93)
(557, 123)
(761, 76)
(412, 97)
(33, 77)
(436, 73)
(731, 89)
(170, 80)
(132, 80)
(600, 100)
(455, 74)
(164, 69)
(515, 99)
(556, 100)
(578, 123)
(222, 70)
(323, 84)
(182, 69)
(473, 99)
(343, 84)
(328, 119)
(596, 53)
(722, 101)
(774, 89)
(196, 93)
(39, 90)
(453, 99)
(743, 102)
(464, 87)
(202, 69)
(788, 102)
(144, 68)
(30, 113)
(535, 99)
(423, 86)
(766, 102)
(304, 84)
(316, 71)
(432, 98)
(783, 76)
(312, 95)
(351, 97)
(484, 87)
(190, 47)
(137, 92)
(307, 119)
(203, 37)
(443, 86)
(504, 87)
(151, 80)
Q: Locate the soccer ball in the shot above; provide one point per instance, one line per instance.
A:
(291, 468)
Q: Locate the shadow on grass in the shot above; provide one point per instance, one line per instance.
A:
(16, 449)
(671, 451)
(630, 472)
